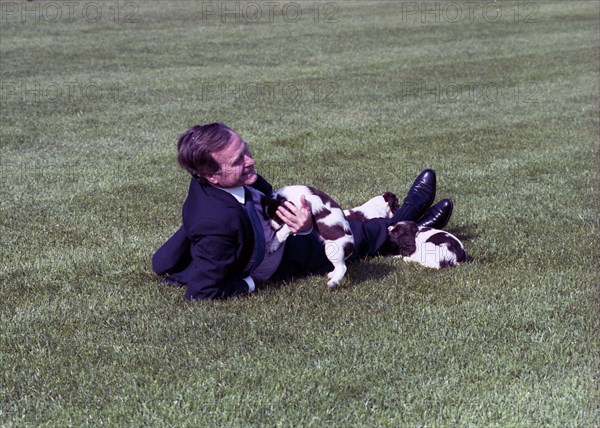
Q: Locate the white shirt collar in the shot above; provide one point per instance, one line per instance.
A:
(237, 192)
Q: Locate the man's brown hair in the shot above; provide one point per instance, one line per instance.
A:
(196, 145)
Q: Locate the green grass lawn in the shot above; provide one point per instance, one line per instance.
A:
(354, 98)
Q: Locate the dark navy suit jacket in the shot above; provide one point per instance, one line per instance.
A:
(212, 248)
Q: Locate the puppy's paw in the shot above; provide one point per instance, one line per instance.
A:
(336, 276)
(332, 283)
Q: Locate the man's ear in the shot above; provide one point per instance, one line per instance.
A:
(211, 178)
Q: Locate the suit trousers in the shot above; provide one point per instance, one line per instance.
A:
(305, 254)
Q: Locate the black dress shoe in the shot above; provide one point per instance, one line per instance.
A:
(438, 215)
(419, 198)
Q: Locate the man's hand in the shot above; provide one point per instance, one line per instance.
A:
(297, 219)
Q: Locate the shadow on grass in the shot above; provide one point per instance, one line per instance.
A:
(465, 232)
(366, 270)
(358, 273)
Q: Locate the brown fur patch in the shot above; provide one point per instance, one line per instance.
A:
(453, 245)
(348, 249)
(356, 215)
(324, 197)
(321, 214)
(330, 233)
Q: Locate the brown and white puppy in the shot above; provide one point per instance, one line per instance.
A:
(328, 221)
(382, 206)
(429, 247)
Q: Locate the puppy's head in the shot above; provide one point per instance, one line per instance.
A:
(403, 235)
(269, 209)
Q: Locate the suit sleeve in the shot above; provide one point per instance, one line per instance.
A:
(173, 255)
(211, 273)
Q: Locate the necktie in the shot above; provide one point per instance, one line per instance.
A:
(259, 236)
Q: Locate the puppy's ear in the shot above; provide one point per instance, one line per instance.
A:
(264, 203)
(403, 236)
(413, 227)
(392, 201)
(272, 208)
(270, 205)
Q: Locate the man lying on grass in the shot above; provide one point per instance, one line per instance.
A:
(216, 253)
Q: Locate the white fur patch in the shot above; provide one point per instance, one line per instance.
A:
(429, 254)
(376, 207)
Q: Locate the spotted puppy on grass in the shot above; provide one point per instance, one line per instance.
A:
(382, 206)
(328, 221)
(429, 247)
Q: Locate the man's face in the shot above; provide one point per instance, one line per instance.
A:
(236, 166)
